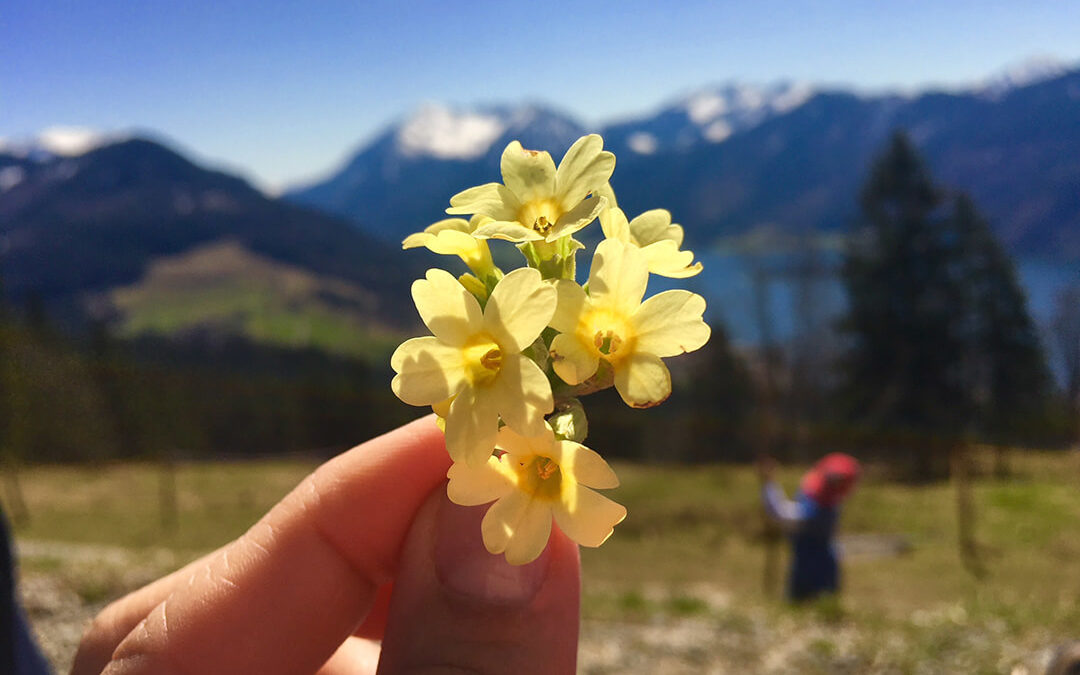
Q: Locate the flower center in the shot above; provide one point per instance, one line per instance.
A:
(540, 215)
(482, 358)
(608, 333)
(607, 342)
(541, 477)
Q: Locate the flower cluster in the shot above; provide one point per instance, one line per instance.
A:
(510, 354)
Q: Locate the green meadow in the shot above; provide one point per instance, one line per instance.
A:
(681, 586)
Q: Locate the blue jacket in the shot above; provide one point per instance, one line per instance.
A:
(811, 528)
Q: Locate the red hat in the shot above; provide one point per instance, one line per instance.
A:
(831, 479)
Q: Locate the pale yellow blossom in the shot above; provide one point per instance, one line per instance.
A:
(611, 322)
(538, 479)
(537, 201)
(474, 357)
(657, 237)
(454, 236)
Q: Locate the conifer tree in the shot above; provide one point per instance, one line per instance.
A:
(1006, 373)
(903, 365)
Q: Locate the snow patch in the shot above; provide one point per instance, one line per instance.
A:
(718, 131)
(706, 106)
(1025, 73)
(70, 141)
(10, 177)
(792, 97)
(438, 131)
(642, 143)
(58, 141)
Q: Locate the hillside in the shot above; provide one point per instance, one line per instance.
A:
(735, 158)
(126, 215)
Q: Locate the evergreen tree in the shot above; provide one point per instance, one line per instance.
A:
(903, 366)
(1006, 373)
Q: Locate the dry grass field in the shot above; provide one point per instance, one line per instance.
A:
(678, 589)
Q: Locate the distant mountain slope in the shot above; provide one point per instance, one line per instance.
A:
(77, 227)
(1018, 155)
(732, 159)
(224, 288)
(403, 180)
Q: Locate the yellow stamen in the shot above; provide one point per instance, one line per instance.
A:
(482, 359)
(607, 342)
(546, 468)
(492, 359)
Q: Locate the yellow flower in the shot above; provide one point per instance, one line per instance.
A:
(657, 237)
(454, 236)
(474, 357)
(536, 201)
(612, 323)
(537, 479)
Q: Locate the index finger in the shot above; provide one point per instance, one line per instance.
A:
(285, 595)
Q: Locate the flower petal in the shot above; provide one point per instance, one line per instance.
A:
(584, 169)
(651, 227)
(613, 223)
(491, 199)
(670, 323)
(428, 371)
(585, 465)
(459, 224)
(642, 380)
(618, 276)
(471, 426)
(665, 258)
(442, 408)
(518, 526)
(587, 517)
(507, 230)
(518, 446)
(473, 485)
(473, 251)
(524, 395)
(530, 174)
(573, 362)
(570, 306)
(578, 217)
(519, 308)
(447, 309)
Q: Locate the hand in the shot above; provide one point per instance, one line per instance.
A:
(366, 548)
(766, 468)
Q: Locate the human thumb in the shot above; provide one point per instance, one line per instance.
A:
(458, 609)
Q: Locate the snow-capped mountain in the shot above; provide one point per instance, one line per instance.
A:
(1025, 73)
(400, 181)
(734, 157)
(709, 115)
(438, 131)
(57, 141)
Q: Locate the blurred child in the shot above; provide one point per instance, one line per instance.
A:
(810, 521)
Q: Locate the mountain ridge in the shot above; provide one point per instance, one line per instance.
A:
(805, 151)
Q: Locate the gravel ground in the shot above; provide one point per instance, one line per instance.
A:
(65, 585)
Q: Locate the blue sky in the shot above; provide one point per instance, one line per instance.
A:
(282, 91)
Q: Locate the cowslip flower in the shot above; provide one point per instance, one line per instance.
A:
(454, 236)
(537, 201)
(537, 479)
(657, 237)
(474, 357)
(612, 323)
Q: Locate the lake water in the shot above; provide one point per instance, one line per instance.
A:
(728, 283)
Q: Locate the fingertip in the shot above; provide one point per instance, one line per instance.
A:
(517, 619)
